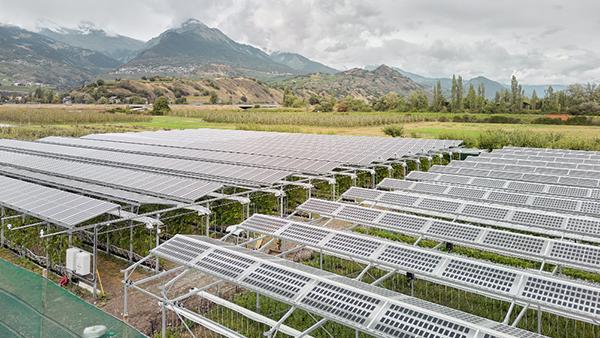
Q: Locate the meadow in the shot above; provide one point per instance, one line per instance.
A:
(35, 121)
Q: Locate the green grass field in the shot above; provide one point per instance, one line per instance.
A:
(35, 121)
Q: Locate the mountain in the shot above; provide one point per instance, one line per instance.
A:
(301, 64)
(540, 90)
(31, 57)
(491, 86)
(193, 49)
(356, 82)
(88, 36)
(235, 90)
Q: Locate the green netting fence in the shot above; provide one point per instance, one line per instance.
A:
(33, 306)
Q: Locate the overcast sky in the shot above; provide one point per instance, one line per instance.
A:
(539, 41)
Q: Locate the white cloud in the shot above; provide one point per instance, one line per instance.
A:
(550, 41)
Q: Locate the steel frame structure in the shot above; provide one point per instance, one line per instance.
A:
(579, 301)
(505, 184)
(540, 249)
(365, 308)
(516, 218)
(490, 195)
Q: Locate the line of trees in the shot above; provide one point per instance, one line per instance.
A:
(576, 100)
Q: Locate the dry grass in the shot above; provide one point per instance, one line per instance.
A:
(61, 114)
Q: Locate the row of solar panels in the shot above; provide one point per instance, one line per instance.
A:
(541, 170)
(553, 152)
(347, 150)
(533, 160)
(180, 189)
(315, 167)
(505, 184)
(370, 309)
(204, 170)
(51, 205)
(493, 214)
(568, 298)
(541, 249)
(529, 200)
(518, 176)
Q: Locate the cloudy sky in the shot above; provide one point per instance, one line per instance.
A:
(539, 41)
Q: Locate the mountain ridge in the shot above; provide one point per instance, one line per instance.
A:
(88, 36)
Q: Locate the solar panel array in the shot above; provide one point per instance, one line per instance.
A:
(349, 150)
(51, 205)
(206, 170)
(180, 189)
(586, 257)
(361, 306)
(538, 161)
(315, 167)
(517, 176)
(567, 153)
(581, 300)
(537, 221)
(124, 196)
(588, 208)
(506, 184)
(539, 170)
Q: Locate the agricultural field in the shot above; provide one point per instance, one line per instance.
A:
(35, 121)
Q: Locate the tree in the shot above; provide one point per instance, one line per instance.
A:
(535, 101)
(471, 100)
(389, 102)
(313, 100)
(437, 103)
(481, 101)
(550, 101)
(161, 106)
(213, 98)
(418, 101)
(453, 95)
(243, 98)
(516, 100)
(460, 93)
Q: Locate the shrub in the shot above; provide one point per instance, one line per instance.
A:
(161, 106)
(214, 98)
(394, 130)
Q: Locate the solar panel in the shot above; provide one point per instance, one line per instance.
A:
(499, 282)
(262, 161)
(504, 242)
(495, 196)
(83, 187)
(52, 205)
(361, 306)
(511, 217)
(517, 176)
(508, 185)
(538, 161)
(180, 189)
(536, 168)
(350, 150)
(192, 168)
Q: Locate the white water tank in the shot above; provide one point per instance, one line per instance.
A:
(72, 258)
(83, 263)
(79, 261)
